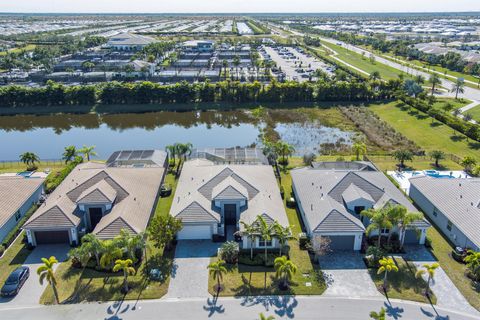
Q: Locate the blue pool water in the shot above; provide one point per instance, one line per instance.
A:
(25, 174)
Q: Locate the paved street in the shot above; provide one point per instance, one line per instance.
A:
(189, 277)
(347, 276)
(32, 290)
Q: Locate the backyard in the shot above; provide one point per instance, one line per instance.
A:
(91, 285)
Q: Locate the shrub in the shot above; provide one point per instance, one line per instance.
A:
(373, 255)
(303, 240)
(258, 259)
(229, 252)
(55, 178)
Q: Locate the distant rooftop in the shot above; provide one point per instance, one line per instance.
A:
(137, 158)
(345, 166)
(234, 155)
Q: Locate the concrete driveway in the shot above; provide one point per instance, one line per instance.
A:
(32, 290)
(347, 276)
(189, 278)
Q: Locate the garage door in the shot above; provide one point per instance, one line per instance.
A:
(46, 237)
(195, 232)
(411, 237)
(340, 243)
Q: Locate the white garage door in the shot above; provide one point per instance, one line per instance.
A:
(195, 232)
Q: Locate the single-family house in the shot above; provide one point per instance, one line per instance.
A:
(213, 198)
(198, 46)
(129, 42)
(101, 199)
(331, 195)
(17, 196)
(453, 205)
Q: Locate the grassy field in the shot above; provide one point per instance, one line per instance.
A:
(475, 113)
(403, 284)
(363, 63)
(441, 249)
(456, 103)
(90, 285)
(426, 132)
(17, 166)
(29, 47)
(247, 280)
(388, 163)
(13, 258)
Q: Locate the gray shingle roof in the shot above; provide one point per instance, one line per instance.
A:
(353, 193)
(457, 199)
(229, 189)
(101, 192)
(194, 212)
(338, 223)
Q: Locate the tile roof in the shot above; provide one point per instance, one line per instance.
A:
(14, 192)
(457, 199)
(101, 192)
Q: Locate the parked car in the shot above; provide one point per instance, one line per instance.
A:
(15, 281)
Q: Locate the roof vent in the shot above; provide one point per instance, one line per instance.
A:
(311, 207)
(313, 183)
(135, 199)
(461, 196)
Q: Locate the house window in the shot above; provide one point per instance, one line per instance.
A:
(449, 225)
(385, 231)
(435, 213)
(18, 215)
(262, 243)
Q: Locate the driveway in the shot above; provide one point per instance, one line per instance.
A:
(448, 296)
(347, 276)
(189, 278)
(32, 290)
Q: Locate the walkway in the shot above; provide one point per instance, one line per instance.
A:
(189, 278)
(448, 296)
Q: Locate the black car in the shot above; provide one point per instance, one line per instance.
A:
(15, 281)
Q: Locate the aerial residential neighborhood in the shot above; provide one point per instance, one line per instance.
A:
(240, 160)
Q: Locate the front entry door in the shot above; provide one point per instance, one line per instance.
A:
(230, 212)
(95, 217)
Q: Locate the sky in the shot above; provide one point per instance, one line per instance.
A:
(235, 6)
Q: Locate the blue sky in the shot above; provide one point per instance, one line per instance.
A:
(200, 6)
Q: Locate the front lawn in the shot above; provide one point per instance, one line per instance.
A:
(475, 113)
(254, 280)
(76, 285)
(388, 163)
(403, 284)
(442, 249)
(13, 258)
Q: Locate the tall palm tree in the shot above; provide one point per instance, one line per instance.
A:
(405, 220)
(172, 152)
(468, 163)
(94, 245)
(437, 155)
(359, 148)
(285, 269)
(130, 242)
(87, 151)
(128, 270)
(434, 80)
(473, 263)
(428, 269)
(110, 253)
(458, 87)
(250, 231)
(378, 315)
(82, 254)
(46, 272)
(69, 154)
(402, 156)
(217, 270)
(265, 231)
(285, 150)
(379, 220)
(183, 150)
(386, 265)
(419, 79)
(29, 159)
(283, 234)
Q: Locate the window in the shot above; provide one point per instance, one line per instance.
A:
(385, 231)
(449, 225)
(262, 243)
(435, 213)
(18, 215)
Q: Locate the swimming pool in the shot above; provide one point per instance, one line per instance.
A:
(25, 174)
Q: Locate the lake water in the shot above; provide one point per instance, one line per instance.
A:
(47, 135)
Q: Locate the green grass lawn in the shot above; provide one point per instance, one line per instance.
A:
(248, 280)
(475, 112)
(403, 284)
(456, 103)
(90, 285)
(425, 131)
(388, 163)
(17, 166)
(13, 258)
(28, 47)
(364, 63)
(441, 249)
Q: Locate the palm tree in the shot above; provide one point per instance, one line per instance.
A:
(434, 80)
(283, 234)
(264, 317)
(265, 232)
(285, 150)
(82, 254)
(419, 79)
(447, 107)
(130, 242)
(172, 152)
(428, 269)
(468, 163)
(402, 156)
(378, 315)
(437, 155)
(236, 63)
(473, 263)
(217, 270)
(94, 245)
(87, 151)
(386, 265)
(458, 87)
(359, 148)
(285, 269)
(126, 267)
(379, 220)
(405, 219)
(250, 231)
(69, 154)
(29, 159)
(374, 76)
(110, 253)
(46, 272)
(183, 150)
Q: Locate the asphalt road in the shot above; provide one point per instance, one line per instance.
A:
(304, 308)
